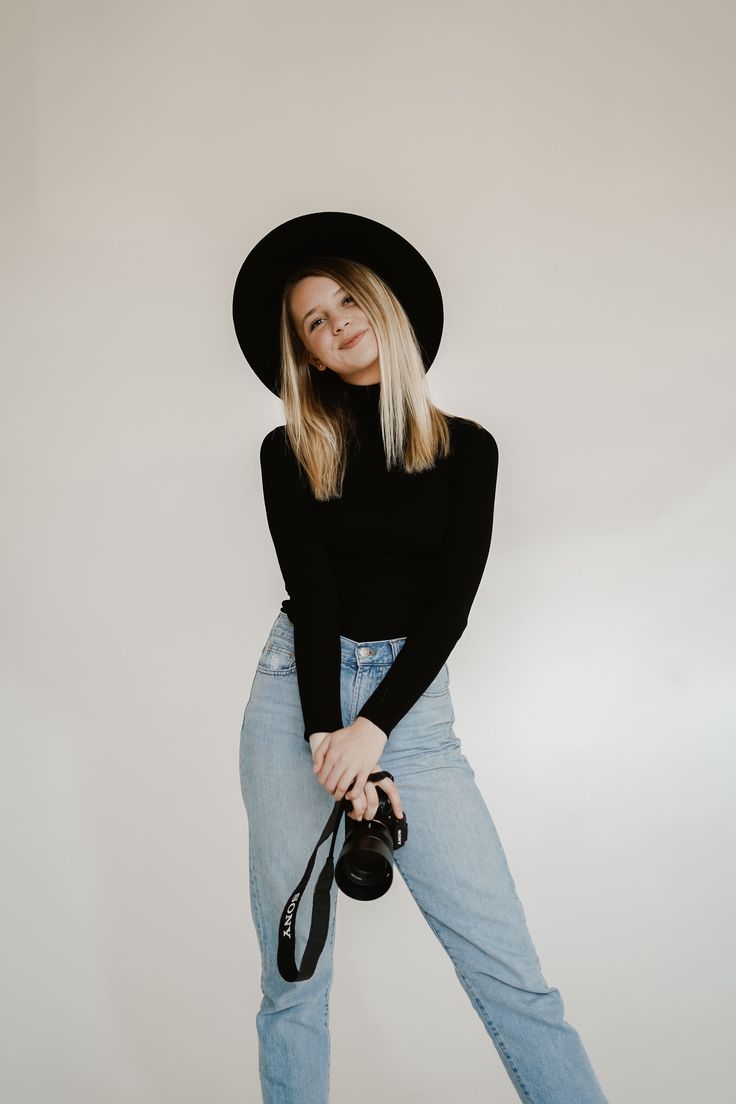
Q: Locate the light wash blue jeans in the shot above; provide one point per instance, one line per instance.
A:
(453, 864)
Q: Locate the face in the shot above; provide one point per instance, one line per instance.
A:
(326, 317)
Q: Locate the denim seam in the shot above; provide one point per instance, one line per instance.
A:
(357, 682)
(259, 920)
(330, 951)
(262, 1072)
(479, 1003)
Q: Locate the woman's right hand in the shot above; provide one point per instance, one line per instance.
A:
(365, 805)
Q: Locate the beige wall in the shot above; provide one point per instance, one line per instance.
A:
(568, 170)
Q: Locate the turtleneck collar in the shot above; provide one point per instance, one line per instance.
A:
(363, 398)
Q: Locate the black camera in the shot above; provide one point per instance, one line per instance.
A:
(365, 868)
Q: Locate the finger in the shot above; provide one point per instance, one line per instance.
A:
(324, 750)
(358, 807)
(319, 755)
(345, 783)
(329, 773)
(333, 770)
(358, 787)
(394, 796)
(371, 800)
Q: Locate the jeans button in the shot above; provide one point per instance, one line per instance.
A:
(365, 651)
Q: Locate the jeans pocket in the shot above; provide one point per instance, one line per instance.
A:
(277, 658)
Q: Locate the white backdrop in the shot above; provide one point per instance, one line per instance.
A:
(567, 169)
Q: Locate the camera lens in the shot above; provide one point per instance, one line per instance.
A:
(365, 869)
(364, 866)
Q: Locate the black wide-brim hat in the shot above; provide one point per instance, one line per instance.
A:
(264, 272)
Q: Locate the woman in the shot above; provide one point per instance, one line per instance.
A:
(380, 507)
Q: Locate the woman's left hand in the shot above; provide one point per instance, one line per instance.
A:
(345, 758)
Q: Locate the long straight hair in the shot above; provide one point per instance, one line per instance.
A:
(319, 422)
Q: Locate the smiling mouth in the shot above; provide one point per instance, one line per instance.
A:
(354, 340)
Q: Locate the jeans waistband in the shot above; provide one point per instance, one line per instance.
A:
(362, 653)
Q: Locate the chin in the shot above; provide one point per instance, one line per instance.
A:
(368, 352)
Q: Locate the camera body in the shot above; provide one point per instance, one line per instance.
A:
(384, 820)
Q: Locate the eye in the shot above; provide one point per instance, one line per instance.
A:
(314, 321)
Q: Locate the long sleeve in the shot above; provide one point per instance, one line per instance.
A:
(455, 579)
(309, 581)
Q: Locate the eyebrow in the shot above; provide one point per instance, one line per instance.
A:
(315, 309)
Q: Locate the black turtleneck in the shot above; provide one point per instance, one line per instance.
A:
(395, 555)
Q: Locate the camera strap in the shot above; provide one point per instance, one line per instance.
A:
(286, 957)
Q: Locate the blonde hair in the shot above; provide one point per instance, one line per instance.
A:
(319, 422)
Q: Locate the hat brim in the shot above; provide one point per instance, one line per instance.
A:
(264, 272)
